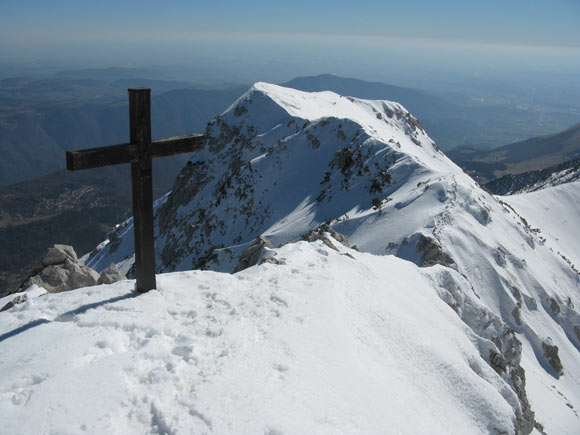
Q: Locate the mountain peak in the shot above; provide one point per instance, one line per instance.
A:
(383, 120)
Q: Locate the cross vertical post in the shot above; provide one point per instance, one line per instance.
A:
(141, 175)
(139, 152)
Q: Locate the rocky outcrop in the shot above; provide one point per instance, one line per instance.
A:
(110, 275)
(60, 270)
(322, 233)
(252, 255)
(497, 342)
(551, 354)
(432, 252)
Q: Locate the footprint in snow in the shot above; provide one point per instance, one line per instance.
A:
(278, 301)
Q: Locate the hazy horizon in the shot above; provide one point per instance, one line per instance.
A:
(418, 45)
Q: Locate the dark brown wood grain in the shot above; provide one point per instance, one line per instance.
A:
(103, 156)
(177, 145)
(139, 152)
(142, 183)
(127, 153)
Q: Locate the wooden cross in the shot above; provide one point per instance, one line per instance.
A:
(139, 152)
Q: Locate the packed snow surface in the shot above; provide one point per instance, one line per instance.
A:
(280, 162)
(555, 212)
(328, 343)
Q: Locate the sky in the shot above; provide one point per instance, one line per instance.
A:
(285, 38)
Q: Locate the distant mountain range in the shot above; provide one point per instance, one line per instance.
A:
(40, 118)
(451, 124)
(535, 180)
(529, 155)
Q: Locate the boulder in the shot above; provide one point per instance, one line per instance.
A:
(60, 270)
(110, 275)
(58, 254)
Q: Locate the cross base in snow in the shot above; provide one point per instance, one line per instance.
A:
(139, 152)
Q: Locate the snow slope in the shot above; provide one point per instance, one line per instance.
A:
(335, 341)
(554, 210)
(280, 162)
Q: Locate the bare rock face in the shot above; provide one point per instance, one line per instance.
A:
(252, 255)
(322, 233)
(499, 345)
(551, 353)
(432, 253)
(110, 275)
(60, 270)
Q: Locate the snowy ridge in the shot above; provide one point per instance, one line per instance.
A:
(329, 343)
(280, 162)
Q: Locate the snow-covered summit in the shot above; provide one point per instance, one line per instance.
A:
(383, 120)
(278, 152)
(280, 162)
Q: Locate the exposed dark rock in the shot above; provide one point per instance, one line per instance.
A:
(554, 306)
(240, 110)
(525, 418)
(189, 182)
(515, 375)
(114, 239)
(507, 365)
(322, 232)
(517, 316)
(432, 253)
(531, 303)
(498, 362)
(551, 353)
(517, 295)
(539, 427)
(251, 256)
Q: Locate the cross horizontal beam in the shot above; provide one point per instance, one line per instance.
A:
(127, 153)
